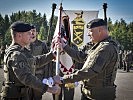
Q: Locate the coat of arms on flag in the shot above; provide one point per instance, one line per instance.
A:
(78, 29)
(78, 21)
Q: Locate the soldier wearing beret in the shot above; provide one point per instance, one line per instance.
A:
(99, 70)
(37, 47)
(19, 66)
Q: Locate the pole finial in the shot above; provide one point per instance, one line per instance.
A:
(105, 9)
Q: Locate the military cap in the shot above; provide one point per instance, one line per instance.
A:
(96, 23)
(20, 26)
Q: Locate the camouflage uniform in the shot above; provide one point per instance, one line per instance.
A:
(2, 52)
(128, 60)
(38, 48)
(120, 62)
(99, 71)
(19, 66)
(124, 60)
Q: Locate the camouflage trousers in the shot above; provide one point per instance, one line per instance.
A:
(103, 93)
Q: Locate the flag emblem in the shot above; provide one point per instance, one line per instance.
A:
(78, 29)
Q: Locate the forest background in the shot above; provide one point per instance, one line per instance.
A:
(119, 30)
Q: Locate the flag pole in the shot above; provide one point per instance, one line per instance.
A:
(105, 10)
(50, 26)
(56, 97)
(59, 34)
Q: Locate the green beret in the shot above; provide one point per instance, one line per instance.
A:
(20, 26)
(96, 23)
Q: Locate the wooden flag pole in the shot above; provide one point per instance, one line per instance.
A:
(58, 49)
(56, 97)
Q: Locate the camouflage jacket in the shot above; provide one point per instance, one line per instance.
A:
(38, 48)
(100, 64)
(19, 65)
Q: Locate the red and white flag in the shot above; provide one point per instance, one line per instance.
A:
(74, 21)
(63, 30)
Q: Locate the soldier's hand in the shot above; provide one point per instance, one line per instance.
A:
(54, 90)
(57, 79)
(63, 42)
(59, 42)
(49, 81)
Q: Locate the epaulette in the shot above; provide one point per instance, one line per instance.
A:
(10, 50)
(110, 41)
(13, 48)
(105, 42)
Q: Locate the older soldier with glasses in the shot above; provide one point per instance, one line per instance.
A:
(99, 70)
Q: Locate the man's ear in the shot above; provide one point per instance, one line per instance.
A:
(100, 30)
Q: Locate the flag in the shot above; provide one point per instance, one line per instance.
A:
(63, 30)
(71, 26)
(78, 20)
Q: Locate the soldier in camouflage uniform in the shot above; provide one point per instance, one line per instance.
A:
(37, 47)
(124, 60)
(128, 60)
(99, 70)
(19, 66)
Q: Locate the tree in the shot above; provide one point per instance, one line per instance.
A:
(7, 36)
(119, 30)
(43, 33)
(2, 30)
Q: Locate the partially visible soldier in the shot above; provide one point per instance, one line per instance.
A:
(124, 59)
(128, 60)
(101, 61)
(2, 54)
(37, 47)
(19, 65)
(120, 61)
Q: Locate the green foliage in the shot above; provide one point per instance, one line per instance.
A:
(7, 39)
(119, 30)
(122, 32)
(31, 17)
(42, 34)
